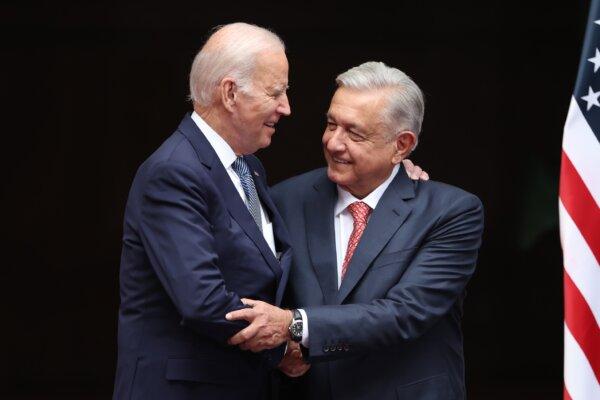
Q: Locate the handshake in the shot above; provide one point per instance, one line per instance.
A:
(268, 329)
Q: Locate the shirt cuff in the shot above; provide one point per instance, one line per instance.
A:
(304, 328)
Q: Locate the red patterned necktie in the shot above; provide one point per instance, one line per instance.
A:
(360, 212)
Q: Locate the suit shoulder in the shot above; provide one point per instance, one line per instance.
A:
(176, 148)
(174, 157)
(447, 195)
(454, 211)
(296, 186)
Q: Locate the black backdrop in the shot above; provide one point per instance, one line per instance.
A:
(90, 89)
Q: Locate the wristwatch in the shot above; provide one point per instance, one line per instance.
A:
(295, 327)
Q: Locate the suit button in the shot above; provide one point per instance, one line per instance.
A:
(346, 347)
(325, 349)
(339, 347)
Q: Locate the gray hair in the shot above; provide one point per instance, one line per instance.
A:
(406, 104)
(231, 50)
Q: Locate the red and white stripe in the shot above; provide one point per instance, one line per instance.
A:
(579, 211)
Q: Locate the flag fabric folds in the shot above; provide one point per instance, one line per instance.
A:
(579, 212)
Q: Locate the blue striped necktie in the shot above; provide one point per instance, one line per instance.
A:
(243, 171)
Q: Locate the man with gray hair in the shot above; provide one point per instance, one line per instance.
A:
(380, 262)
(201, 232)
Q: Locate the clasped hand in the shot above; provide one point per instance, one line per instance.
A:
(268, 329)
(268, 326)
(293, 365)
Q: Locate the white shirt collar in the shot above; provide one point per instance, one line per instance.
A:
(219, 145)
(345, 198)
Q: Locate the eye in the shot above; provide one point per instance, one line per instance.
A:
(355, 136)
(332, 126)
(280, 92)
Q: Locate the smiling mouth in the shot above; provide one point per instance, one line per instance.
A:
(339, 161)
(270, 124)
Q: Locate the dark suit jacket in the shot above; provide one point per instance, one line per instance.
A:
(191, 250)
(392, 330)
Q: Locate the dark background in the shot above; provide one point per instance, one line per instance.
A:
(90, 89)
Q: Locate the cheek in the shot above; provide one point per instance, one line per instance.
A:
(354, 151)
(269, 109)
(256, 114)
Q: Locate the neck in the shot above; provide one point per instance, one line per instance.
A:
(358, 192)
(361, 192)
(219, 120)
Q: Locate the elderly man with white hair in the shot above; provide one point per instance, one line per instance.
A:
(201, 232)
(380, 262)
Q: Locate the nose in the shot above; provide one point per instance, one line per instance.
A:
(284, 106)
(333, 140)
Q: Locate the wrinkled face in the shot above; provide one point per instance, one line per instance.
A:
(359, 153)
(261, 105)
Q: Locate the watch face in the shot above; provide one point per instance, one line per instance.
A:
(296, 328)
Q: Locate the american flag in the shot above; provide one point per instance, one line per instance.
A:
(579, 211)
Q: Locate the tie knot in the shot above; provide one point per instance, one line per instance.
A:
(240, 167)
(359, 211)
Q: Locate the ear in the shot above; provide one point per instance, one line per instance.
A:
(228, 91)
(405, 142)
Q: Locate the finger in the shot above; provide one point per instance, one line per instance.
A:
(244, 335)
(408, 165)
(416, 172)
(305, 369)
(257, 349)
(245, 313)
(425, 176)
(244, 346)
(252, 345)
(250, 302)
(293, 346)
(298, 371)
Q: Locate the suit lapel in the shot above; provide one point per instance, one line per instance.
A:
(282, 267)
(318, 214)
(233, 201)
(386, 219)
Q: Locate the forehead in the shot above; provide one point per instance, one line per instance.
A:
(358, 107)
(271, 68)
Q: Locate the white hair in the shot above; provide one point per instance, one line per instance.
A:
(231, 50)
(406, 104)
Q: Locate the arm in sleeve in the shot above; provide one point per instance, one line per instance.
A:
(427, 290)
(176, 233)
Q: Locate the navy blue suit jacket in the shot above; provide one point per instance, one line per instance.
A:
(392, 330)
(191, 250)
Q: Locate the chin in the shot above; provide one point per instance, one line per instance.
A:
(264, 144)
(335, 176)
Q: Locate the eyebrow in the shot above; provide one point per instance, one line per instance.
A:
(347, 125)
(280, 88)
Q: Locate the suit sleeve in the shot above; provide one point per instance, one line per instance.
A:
(176, 232)
(428, 289)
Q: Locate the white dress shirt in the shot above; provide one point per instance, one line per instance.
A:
(343, 225)
(227, 156)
